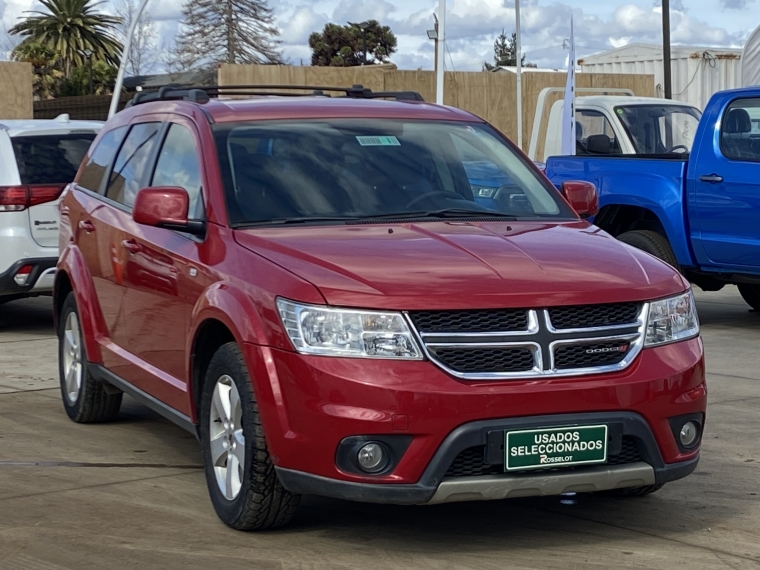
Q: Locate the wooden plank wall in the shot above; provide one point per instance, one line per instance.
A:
(16, 90)
(488, 95)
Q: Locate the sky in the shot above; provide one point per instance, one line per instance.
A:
(472, 25)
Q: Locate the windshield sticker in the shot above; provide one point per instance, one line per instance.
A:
(378, 141)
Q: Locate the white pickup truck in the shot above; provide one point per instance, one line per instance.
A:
(619, 124)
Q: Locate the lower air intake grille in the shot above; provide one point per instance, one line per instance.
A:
(486, 360)
(471, 461)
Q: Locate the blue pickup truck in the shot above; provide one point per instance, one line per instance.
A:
(695, 203)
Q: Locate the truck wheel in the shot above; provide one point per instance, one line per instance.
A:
(84, 398)
(242, 482)
(751, 294)
(652, 243)
(634, 491)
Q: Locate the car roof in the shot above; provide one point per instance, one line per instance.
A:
(614, 100)
(269, 108)
(59, 125)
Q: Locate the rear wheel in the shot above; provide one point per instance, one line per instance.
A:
(652, 243)
(751, 294)
(84, 398)
(634, 491)
(242, 482)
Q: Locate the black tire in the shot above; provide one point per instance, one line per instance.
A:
(262, 501)
(634, 491)
(751, 295)
(93, 402)
(652, 243)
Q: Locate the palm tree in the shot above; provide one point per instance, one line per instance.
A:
(46, 77)
(69, 27)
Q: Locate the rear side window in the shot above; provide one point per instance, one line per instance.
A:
(50, 159)
(92, 174)
(740, 131)
(129, 169)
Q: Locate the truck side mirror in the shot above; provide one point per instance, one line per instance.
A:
(582, 197)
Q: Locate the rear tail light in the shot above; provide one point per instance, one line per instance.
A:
(22, 275)
(17, 198)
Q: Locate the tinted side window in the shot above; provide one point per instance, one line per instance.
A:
(739, 136)
(594, 134)
(129, 170)
(50, 158)
(178, 166)
(101, 157)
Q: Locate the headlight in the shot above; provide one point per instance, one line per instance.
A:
(340, 332)
(672, 319)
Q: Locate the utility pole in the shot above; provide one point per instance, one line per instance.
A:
(518, 63)
(441, 50)
(433, 35)
(666, 82)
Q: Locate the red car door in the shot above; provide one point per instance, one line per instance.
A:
(162, 276)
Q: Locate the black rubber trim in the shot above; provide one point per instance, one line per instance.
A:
(475, 434)
(107, 377)
(39, 265)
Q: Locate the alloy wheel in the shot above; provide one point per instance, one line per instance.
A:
(72, 357)
(226, 437)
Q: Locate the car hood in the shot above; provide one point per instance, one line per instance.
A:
(455, 265)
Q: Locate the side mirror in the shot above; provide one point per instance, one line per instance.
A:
(165, 207)
(582, 197)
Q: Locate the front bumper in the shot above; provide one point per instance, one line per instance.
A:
(40, 280)
(434, 487)
(310, 404)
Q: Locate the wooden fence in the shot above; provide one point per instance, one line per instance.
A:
(15, 90)
(491, 96)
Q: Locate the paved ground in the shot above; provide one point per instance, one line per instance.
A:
(131, 495)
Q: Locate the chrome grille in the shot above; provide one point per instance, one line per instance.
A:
(523, 343)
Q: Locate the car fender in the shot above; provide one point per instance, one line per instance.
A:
(91, 318)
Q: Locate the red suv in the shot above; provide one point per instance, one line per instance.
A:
(367, 297)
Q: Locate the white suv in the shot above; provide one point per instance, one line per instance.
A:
(37, 159)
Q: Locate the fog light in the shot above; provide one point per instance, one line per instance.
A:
(689, 434)
(372, 457)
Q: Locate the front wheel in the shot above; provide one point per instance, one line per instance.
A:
(652, 243)
(242, 482)
(751, 295)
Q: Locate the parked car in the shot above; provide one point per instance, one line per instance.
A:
(697, 211)
(37, 159)
(618, 124)
(310, 285)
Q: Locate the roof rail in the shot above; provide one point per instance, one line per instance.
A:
(203, 95)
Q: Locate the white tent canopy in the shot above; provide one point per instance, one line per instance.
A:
(751, 60)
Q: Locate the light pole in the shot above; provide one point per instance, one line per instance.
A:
(518, 63)
(441, 51)
(87, 54)
(433, 35)
(666, 83)
(123, 63)
(363, 27)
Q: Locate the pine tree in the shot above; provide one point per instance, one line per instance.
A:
(504, 52)
(226, 31)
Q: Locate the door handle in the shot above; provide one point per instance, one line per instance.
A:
(87, 226)
(711, 178)
(131, 246)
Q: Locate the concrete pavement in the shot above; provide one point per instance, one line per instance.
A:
(131, 494)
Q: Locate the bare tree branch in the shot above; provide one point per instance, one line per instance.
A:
(143, 52)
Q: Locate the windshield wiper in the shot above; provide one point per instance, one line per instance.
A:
(296, 220)
(445, 213)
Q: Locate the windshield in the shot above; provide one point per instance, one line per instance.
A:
(342, 169)
(659, 129)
